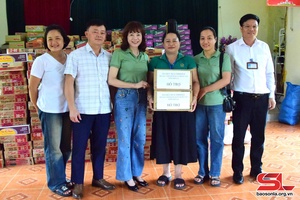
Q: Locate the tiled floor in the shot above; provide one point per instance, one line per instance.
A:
(282, 154)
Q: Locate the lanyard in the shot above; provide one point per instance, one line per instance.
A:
(171, 66)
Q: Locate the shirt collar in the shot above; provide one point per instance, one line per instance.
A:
(89, 49)
(242, 42)
(130, 52)
(164, 57)
(216, 54)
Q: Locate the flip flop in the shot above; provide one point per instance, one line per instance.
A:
(178, 182)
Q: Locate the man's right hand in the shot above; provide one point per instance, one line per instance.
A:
(75, 116)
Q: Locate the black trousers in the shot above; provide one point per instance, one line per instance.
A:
(251, 109)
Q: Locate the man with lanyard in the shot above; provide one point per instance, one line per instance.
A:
(254, 91)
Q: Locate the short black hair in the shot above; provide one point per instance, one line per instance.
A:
(247, 17)
(175, 32)
(94, 22)
(60, 30)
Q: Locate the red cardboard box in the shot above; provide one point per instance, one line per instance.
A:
(17, 144)
(13, 98)
(13, 114)
(17, 154)
(38, 144)
(13, 106)
(13, 121)
(18, 148)
(19, 161)
(39, 160)
(38, 153)
(14, 138)
(37, 136)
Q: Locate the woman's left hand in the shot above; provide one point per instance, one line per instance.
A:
(194, 104)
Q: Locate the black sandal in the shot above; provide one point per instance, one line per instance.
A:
(202, 179)
(215, 181)
(178, 182)
(63, 191)
(70, 184)
(164, 179)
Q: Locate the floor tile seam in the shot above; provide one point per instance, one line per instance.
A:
(18, 189)
(12, 178)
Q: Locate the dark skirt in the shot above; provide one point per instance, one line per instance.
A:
(173, 138)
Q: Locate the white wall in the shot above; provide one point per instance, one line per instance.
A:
(3, 22)
(230, 12)
(292, 55)
(272, 19)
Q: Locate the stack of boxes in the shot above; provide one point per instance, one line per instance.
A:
(1, 156)
(36, 135)
(13, 107)
(154, 34)
(186, 44)
(172, 90)
(17, 147)
(16, 41)
(149, 117)
(35, 40)
(112, 143)
(149, 34)
(34, 36)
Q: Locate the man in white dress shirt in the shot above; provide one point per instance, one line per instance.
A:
(254, 91)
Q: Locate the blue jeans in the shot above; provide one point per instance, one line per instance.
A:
(96, 128)
(210, 124)
(130, 118)
(56, 129)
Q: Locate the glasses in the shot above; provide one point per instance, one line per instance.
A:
(249, 27)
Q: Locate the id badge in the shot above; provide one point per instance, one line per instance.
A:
(252, 65)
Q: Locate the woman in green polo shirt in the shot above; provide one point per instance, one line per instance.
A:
(173, 133)
(210, 116)
(128, 73)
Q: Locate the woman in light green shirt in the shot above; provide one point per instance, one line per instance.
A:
(210, 116)
(128, 72)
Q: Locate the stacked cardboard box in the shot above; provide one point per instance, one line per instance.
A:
(1, 156)
(149, 120)
(172, 90)
(154, 35)
(149, 34)
(186, 45)
(16, 145)
(13, 106)
(15, 41)
(36, 136)
(34, 36)
(112, 144)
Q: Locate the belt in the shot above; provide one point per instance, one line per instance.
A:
(252, 95)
